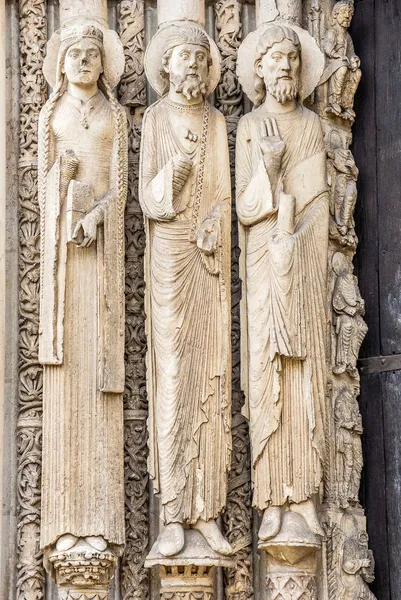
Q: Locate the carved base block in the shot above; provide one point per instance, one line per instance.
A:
(188, 575)
(82, 572)
(297, 585)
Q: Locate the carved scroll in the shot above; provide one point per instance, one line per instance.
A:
(134, 577)
(33, 37)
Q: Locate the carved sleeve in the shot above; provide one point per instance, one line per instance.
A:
(254, 193)
(156, 187)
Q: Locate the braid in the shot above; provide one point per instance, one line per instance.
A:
(43, 165)
(122, 174)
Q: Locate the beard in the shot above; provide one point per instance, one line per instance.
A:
(190, 87)
(282, 89)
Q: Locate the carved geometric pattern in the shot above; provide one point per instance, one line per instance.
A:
(237, 517)
(295, 586)
(33, 90)
(132, 91)
(187, 595)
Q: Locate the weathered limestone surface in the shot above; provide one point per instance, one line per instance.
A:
(185, 194)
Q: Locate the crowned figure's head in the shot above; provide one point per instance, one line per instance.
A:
(186, 61)
(277, 65)
(81, 55)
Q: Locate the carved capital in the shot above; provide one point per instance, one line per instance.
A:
(82, 572)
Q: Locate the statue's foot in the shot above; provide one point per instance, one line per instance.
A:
(307, 510)
(172, 539)
(271, 522)
(213, 536)
(97, 541)
(66, 542)
(334, 108)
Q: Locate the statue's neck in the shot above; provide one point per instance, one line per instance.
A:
(272, 105)
(82, 93)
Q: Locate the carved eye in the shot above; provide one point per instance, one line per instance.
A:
(276, 57)
(184, 55)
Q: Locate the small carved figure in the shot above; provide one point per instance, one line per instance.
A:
(342, 175)
(185, 194)
(342, 69)
(282, 206)
(357, 563)
(348, 424)
(349, 306)
(82, 194)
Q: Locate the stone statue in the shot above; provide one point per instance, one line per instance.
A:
(282, 205)
(342, 174)
(185, 196)
(349, 308)
(82, 193)
(342, 70)
(357, 563)
(348, 423)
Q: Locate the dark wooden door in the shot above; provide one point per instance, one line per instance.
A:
(376, 31)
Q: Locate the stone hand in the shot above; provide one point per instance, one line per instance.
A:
(181, 169)
(89, 225)
(208, 234)
(354, 63)
(272, 147)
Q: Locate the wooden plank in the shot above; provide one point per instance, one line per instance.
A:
(373, 489)
(388, 122)
(364, 150)
(380, 364)
(391, 393)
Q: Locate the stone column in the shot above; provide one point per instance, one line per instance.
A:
(270, 10)
(82, 531)
(2, 251)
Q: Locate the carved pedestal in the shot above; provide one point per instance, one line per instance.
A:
(82, 572)
(292, 561)
(189, 574)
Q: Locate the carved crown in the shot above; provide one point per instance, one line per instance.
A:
(81, 31)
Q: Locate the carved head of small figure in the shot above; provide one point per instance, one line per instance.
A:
(186, 61)
(341, 264)
(278, 65)
(342, 13)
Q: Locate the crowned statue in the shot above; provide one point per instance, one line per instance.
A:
(82, 194)
(282, 207)
(185, 195)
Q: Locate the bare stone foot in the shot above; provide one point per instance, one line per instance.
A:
(66, 542)
(172, 539)
(271, 523)
(213, 536)
(307, 510)
(97, 541)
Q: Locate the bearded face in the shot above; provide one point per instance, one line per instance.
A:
(280, 69)
(188, 70)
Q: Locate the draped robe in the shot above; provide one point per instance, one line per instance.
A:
(283, 316)
(83, 463)
(188, 324)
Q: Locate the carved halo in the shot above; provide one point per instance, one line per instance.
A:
(113, 52)
(155, 51)
(312, 60)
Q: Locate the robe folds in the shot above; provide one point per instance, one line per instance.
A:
(283, 315)
(81, 339)
(188, 315)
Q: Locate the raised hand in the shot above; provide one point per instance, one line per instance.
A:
(181, 169)
(272, 147)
